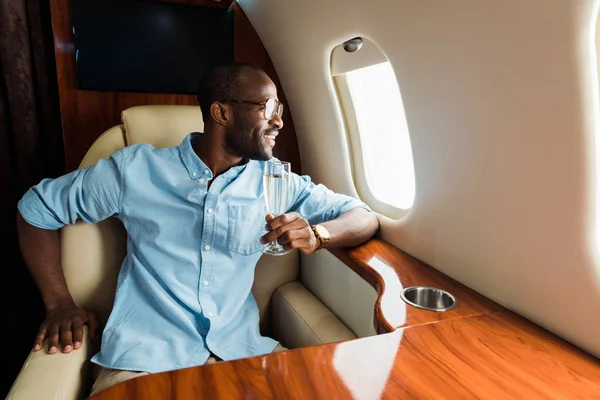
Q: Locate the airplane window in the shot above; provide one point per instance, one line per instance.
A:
(377, 130)
(383, 134)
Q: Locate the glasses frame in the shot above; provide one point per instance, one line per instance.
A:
(277, 110)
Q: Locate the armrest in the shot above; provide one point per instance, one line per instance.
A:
(301, 320)
(389, 270)
(57, 376)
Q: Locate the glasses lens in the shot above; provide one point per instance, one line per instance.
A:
(280, 110)
(270, 108)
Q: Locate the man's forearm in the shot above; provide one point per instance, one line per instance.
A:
(351, 228)
(41, 252)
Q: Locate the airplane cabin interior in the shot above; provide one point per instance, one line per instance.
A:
(470, 128)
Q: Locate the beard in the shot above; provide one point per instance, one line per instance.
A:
(245, 140)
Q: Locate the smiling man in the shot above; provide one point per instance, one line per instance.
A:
(195, 220)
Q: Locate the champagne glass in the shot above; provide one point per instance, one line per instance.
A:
(276, 183)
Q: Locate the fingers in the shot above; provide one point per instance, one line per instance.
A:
(77, 329)
(284, 223)
(54, 332)
(283, 220)
(39, 339)
(53, 339)
(292, 232)
(304, 245)
(303, 240)
(65, 326)
(292, 236)
(66, 336)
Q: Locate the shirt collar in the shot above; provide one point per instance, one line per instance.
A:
(195, 166)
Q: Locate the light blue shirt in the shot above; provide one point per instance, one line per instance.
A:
(184, 289)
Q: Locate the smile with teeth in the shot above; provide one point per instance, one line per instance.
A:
(270, 137)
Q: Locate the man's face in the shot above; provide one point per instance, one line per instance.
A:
(250, 134)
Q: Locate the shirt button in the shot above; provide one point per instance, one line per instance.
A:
(207, 247)
(206, 171)
(210, 314)
(205, 283)
(194, 174)
(201, 180)
(209, 211)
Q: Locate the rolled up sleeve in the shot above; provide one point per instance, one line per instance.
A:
(317, 203)
(91, 194)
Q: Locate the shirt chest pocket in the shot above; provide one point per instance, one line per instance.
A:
(245, 226)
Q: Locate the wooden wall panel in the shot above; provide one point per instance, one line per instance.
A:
(86, 114)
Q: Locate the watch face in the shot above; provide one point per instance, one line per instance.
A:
(323, 232)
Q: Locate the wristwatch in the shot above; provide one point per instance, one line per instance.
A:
(321, 233)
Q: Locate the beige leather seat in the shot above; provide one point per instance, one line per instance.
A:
(92, 256)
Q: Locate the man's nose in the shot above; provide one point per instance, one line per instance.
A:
(277, 121)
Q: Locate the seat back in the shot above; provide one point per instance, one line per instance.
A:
(92, 254)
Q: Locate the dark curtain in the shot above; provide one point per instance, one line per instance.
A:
(30, 149)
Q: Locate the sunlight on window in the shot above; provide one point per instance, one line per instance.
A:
(383, 134)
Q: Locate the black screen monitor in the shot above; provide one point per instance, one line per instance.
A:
(148, 46)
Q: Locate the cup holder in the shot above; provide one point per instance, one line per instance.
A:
(429, 298)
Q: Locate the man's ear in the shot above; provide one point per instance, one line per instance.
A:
(219, 113)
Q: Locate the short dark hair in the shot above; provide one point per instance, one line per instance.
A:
(219, 82)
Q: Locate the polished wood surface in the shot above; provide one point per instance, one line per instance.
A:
(389, 270)
(86, 114)
(491, 356)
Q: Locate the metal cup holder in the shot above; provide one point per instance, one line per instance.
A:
(429, 298)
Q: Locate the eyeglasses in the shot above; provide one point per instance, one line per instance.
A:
(271, 106)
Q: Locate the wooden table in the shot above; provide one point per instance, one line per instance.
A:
(493, 356)
(478, 350)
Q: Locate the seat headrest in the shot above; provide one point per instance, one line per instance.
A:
(161, 125)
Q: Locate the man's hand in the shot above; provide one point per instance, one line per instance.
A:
(65, 323)
(292, 232)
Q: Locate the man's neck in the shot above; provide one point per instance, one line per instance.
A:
(212, 153)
